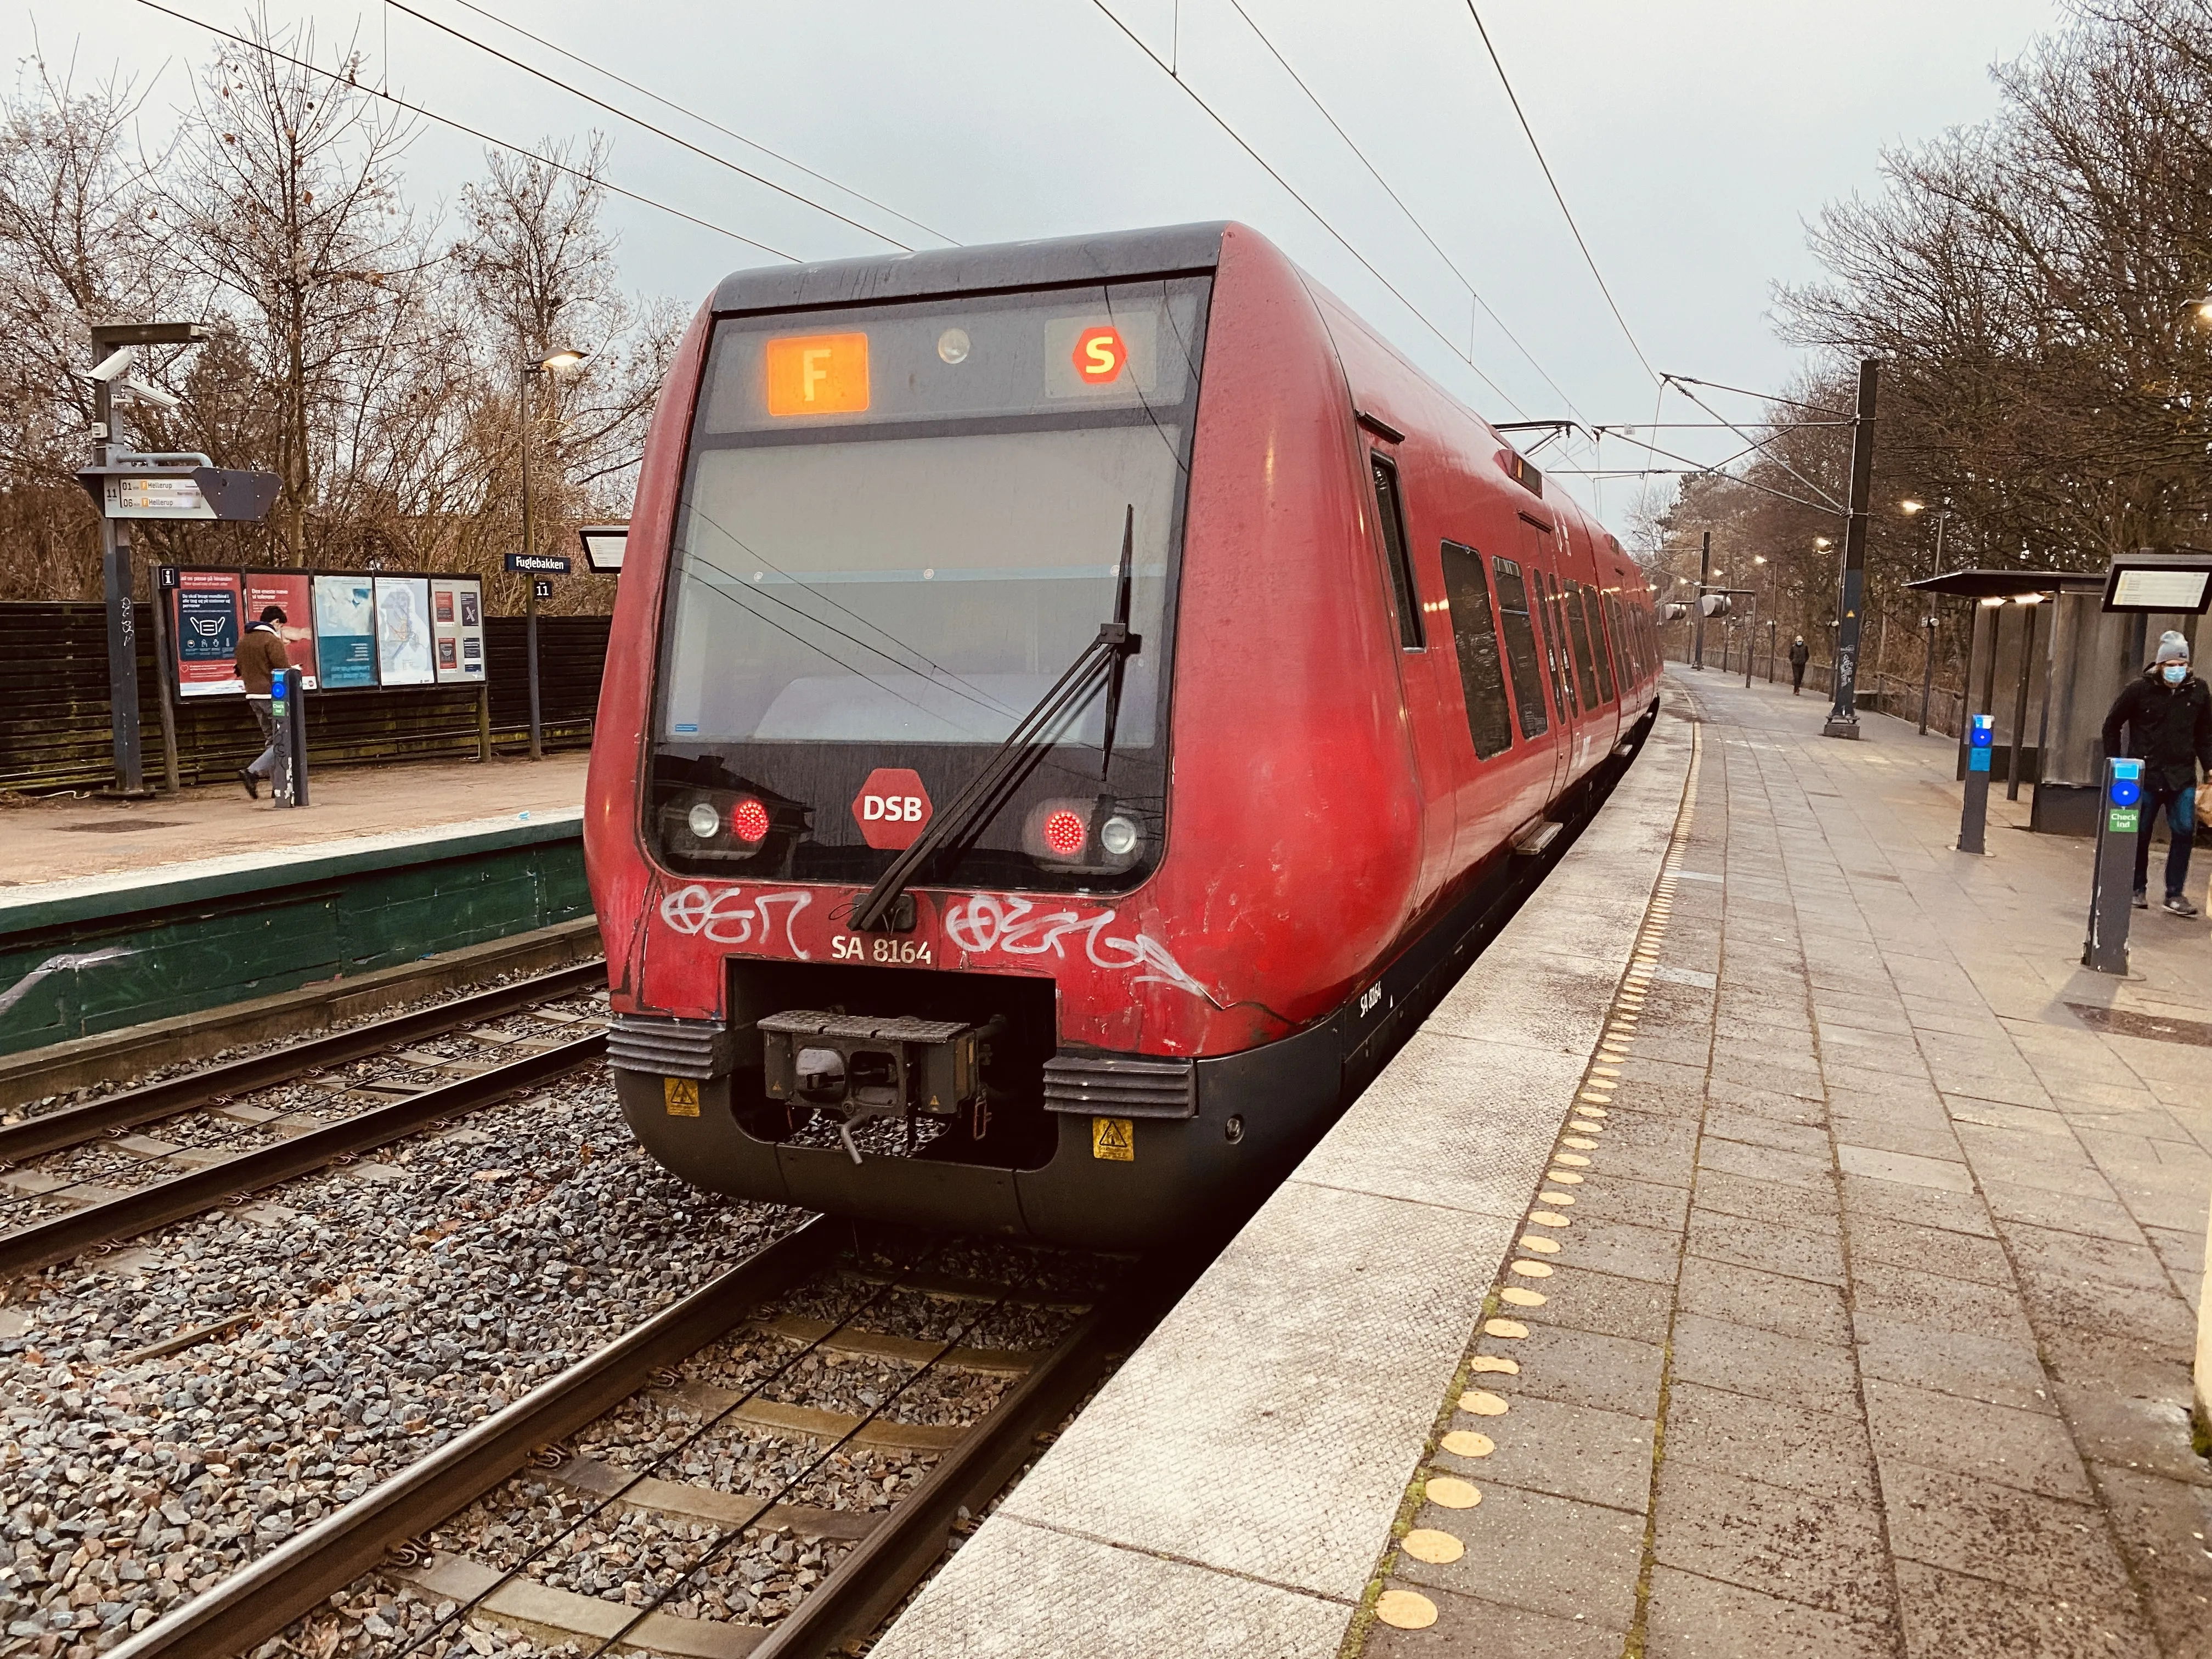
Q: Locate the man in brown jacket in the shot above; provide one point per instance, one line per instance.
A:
(260, 659)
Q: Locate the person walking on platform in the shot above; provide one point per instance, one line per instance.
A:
(2167, 711)
(1798, 653)
(260, 659)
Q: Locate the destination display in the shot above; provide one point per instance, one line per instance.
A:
(344, 631)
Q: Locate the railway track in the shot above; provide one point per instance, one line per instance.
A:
(88, 1178)
(623, 1436)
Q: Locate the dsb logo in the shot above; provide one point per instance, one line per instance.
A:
(892, 807)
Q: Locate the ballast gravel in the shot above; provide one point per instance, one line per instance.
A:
(376, 1310)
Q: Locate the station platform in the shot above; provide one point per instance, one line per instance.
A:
(194, 902)
(1777, 1242)
(70, 838)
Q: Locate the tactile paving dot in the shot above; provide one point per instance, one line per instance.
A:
(1587, 1128)
(1466, 1442)
(1564, 1200)
(1522, 1298)
(1491, 1362)
(1533, 1269)
(1427, 1544)
(1404, 1609)
(1580, 1143)
(1544, 1246)
(1450, 1493)
(1598, 1110)
(1510, 1329)
(1567, 1176)
(1480, 1402)
(1546, 1219)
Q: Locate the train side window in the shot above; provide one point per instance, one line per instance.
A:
(1481, 675)
(1520, 648)
(1594, 611)
(1579, 632)
(1624, 630)
(1389, 510)
(1555, 644)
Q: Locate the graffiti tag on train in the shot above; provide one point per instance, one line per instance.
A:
(731, 917)
(1016, 927)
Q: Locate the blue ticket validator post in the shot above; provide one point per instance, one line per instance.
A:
(2111, 890)
(1974, 816)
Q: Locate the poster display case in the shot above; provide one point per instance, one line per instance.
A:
(345, 631)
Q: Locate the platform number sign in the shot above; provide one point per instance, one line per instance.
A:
(2124, 810)
(1979, 742)
(1114, 1139)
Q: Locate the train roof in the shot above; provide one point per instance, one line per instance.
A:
(1109, 256)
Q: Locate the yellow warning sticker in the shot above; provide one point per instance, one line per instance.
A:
(682, 1095)
(1113, 1138)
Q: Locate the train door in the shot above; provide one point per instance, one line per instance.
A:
(1537, 558)
(1431, 716)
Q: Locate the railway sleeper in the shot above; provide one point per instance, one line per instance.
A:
(560, 1615)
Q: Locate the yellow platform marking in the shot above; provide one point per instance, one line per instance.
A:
(1403, 1609)
(1427, 1544)
(1449, 1492)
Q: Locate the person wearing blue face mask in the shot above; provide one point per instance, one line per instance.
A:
(2167, 711)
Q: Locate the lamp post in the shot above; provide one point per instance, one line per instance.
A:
(1912, 508)
(552, 363)
(1843, 719)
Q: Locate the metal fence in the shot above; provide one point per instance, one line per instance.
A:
(54, 729)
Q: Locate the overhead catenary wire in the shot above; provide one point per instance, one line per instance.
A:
(707, 121)
(643, 125)
(476, 133)
(1695, 466)
(1764, 443)
(1411, 218)
(1318, 217)
(1558, 194)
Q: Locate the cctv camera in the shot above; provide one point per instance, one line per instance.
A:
(149, 394)
(115, 363)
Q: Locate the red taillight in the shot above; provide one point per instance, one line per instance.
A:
(1065, 832)
(749, 822)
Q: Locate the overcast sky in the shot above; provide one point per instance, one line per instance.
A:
(1692, 140)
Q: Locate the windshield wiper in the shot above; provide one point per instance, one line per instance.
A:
(1101, 661)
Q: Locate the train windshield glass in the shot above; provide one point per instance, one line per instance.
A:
(901, 524)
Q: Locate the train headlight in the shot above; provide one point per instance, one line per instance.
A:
(703, 821)
(1118, 836)
(749, 822)
(1065, 832)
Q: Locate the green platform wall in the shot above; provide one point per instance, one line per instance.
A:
(204, 940)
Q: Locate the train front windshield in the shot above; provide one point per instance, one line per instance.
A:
(900, 525)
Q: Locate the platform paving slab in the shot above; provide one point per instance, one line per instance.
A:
(1868, 1328)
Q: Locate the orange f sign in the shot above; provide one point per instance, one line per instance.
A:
(817, 374)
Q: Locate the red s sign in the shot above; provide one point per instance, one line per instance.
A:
(892, 808)
(1099, 356)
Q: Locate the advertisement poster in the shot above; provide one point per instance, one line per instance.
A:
(207, 603)
(345, 632)
(287, 591)
(457, 628)
(404, 649)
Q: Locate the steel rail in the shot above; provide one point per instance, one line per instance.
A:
(61, 1237)
(72, 1126)
(259, 1600)
(898, 1554)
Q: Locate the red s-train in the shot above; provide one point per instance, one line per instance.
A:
(1072, 706)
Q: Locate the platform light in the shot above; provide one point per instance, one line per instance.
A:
(1821, 544)
(559, 362)
(1992, 604)
(1909, 506)
(2027, 598)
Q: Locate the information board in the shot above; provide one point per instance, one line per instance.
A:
(345, 632)
(457, 628)
(404, 649)
(206, 607)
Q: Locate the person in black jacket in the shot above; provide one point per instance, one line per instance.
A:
(1798, 657)
(2167, 711)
